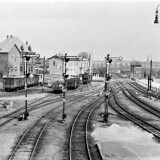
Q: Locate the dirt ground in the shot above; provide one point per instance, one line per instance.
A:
(52, 144)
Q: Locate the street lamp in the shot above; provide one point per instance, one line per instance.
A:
(156, 17)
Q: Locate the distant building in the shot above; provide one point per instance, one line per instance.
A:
(55, 68)
(136, 70)
(78, 66)
(72, 67)
(75, 67)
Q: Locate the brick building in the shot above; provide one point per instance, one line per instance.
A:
(11, 57)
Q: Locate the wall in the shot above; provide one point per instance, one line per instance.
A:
(55, 68)
(14, 60)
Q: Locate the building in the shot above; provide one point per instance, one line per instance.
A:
(10, 60)
(75, 67)
(11, 57)
(55, 68)
(78, 66)
(72, 67)
(136, 70)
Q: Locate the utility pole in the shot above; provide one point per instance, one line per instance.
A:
(65, 60)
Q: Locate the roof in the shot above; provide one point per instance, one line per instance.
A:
(7, 44)
(135, 63)
(56, 57)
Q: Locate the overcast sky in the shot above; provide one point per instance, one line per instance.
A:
(119, 28)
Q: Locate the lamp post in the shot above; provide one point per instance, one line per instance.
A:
(156, 16)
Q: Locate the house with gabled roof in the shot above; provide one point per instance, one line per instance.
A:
(11, 57)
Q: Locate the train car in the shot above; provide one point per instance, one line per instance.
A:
(11, 83)
(73, 83)
(14, 83)
(86, 78)
(57, 86)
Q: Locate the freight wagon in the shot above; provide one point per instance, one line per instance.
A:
(14, 83)
(71, 83)
(86, 78)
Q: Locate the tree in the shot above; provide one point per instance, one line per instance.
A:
(5, 67)
(83, 55)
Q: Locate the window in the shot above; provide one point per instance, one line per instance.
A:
(16, 59)
(54, 63)
(31, 69)
(11, 70)
(15, 69)
(21, 68)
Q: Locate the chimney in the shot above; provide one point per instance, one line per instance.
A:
(11, 36)
(7, 36)
(27, 43)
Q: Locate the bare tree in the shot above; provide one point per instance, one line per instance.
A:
(5, 67)
(83, 55)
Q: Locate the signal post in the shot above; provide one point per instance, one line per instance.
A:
(27, 57)
(106, 93)
(65, 60)
(106, 87)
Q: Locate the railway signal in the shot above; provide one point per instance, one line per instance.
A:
(106, 87)
(65, 60)
(26, 57)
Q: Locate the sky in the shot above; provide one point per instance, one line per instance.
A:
(119, 28)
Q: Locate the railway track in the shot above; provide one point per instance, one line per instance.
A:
(79, 147)
(136, 119)
(134, 98)
(39, 104)
(26, 146)
(142, 89)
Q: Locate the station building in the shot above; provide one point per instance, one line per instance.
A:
(11, 57)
